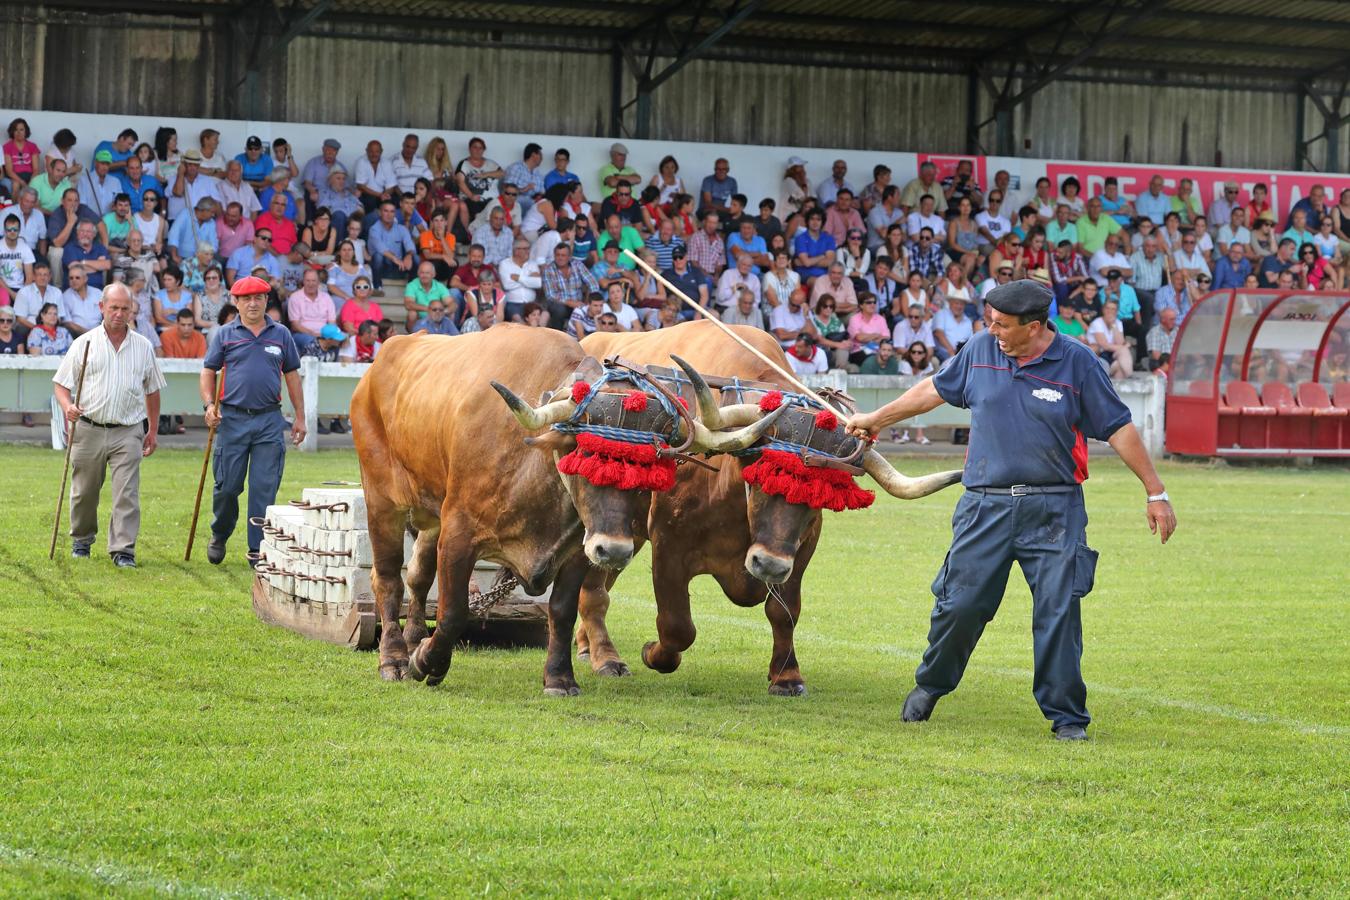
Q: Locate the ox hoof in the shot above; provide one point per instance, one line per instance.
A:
(570, 690)
(414, 670)
(663, 666)
(615, 668)
(413, 636)
(393, 671)
(788, 689)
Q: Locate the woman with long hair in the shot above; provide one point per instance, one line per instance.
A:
(895, 246)
(1034, 255)
(963, 238)
(166, 151)
(954, 284)
(652, 214)
(856, 259)
(172, 297)
(916, 361)
(793, 192)
(321, 237)
(346, 270)
(444, 191)
(682, 213)
(150, 223)
(1009, 250)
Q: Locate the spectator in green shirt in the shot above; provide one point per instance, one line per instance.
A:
(626, 236)
(1094, 227)
(1060, 228)
(883, 362)
(617, 171)
(419, 293)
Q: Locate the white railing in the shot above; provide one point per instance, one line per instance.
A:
(25, 387)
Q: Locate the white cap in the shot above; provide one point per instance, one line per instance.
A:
(795, 161)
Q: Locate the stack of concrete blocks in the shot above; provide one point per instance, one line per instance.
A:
(316, 567)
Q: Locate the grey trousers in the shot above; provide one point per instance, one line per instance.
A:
(94, 452)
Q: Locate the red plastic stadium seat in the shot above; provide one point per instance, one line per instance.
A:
(1241, 395)
(1312, 396)
(1340, 395)
(1278, 395)
(1199, 388)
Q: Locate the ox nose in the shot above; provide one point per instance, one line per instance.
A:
(609, 552)
(767, 567)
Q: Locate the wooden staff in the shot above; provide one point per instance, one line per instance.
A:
(206, 460)
(730, 333)
(70, 440)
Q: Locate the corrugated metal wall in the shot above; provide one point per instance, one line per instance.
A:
(1119, 122)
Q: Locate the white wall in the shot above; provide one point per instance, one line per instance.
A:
(758, 170)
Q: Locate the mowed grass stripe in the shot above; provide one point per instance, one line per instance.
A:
(150, 726)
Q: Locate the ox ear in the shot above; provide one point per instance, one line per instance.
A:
(553, 441)
(535, 418)
(904, 487)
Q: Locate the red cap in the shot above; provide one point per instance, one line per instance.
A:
(250, 284)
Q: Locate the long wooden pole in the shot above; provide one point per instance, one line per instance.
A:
(70, 440)
(206, 460)
(726, 328)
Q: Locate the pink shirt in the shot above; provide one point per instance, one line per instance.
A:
(354, 315)
(231, 239)
(283, 232)
(860, 323)
(21, 158)
(837, 224)
(311, 314)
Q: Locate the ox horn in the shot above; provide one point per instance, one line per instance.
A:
(710, 413)
(902, 486)
(533, 418)
(708, 441)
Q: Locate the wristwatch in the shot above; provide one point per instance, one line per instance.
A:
(1156, 498)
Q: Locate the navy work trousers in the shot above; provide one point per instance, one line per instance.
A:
(252, 447)
(1046, 535)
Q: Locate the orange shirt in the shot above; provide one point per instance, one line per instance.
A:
(175, 347)
(427, 241)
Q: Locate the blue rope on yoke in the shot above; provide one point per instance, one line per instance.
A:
(574, 425)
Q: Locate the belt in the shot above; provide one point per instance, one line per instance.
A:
(88, 421)
(275, 407)
(1021, 490)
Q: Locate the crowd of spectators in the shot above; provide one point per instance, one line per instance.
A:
(886, 279)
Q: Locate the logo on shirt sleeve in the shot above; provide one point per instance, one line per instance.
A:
(1049, 395)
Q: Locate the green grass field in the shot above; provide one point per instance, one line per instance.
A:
(155, 738)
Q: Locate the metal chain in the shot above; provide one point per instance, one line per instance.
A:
(482, 601)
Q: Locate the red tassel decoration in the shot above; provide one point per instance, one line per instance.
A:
(826, 420)
(783, 474)
(683, 402)
(770, 401)
(579, 391)
(627, 467)
(635, 402)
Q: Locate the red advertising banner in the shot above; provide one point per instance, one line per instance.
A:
(1286, 188)
(946, 165)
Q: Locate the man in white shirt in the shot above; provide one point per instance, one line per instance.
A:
(32, 223)
(992, 220)
(731, 282)
(30, 300)
(805, 357)
(924, 217)
(119, 391)
(1188, 257)
(374, 177)
(81, 302)
(1108, 258)
(1002, 276)
(788, 320)
(1234, 231)
(408, 166)
(98, 187)
(913, 328)
(952, 328)
(746, 311)
(883, 216)
(234, 189)
(520, 277)
(16, 257)
(192, 186)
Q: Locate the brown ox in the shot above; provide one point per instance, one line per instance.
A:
(438, 449)
(710, 524)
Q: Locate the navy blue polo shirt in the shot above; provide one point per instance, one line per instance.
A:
(253, 363)
(1029, 423)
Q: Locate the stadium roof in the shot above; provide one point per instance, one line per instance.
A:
(1291, 39)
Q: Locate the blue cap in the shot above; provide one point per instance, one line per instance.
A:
(331, 332)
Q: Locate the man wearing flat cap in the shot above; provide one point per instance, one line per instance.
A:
(257, 354)
(1035, 397)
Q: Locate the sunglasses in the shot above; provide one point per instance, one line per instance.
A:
(266, 238)
(361, 287)
(1016, 244)
(509, 193)
(6, 319)
(914, 318)
(828, 306)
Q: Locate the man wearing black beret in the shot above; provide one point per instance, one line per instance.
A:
(1034, 398)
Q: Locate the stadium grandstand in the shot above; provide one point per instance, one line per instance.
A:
(853, 182)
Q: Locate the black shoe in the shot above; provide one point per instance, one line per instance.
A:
(337, 427)
(79, 551)
(215, 551)
(918, 706)
(124, 561)
(1071, 733)
(323, 429)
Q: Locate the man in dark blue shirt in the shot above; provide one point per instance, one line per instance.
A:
(1034, 397)
(257, 354)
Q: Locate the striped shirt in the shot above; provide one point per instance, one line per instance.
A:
(117, 380)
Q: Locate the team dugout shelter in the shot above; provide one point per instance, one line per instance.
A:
(1259, 373)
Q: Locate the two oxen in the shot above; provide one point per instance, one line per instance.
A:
(612, 458)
